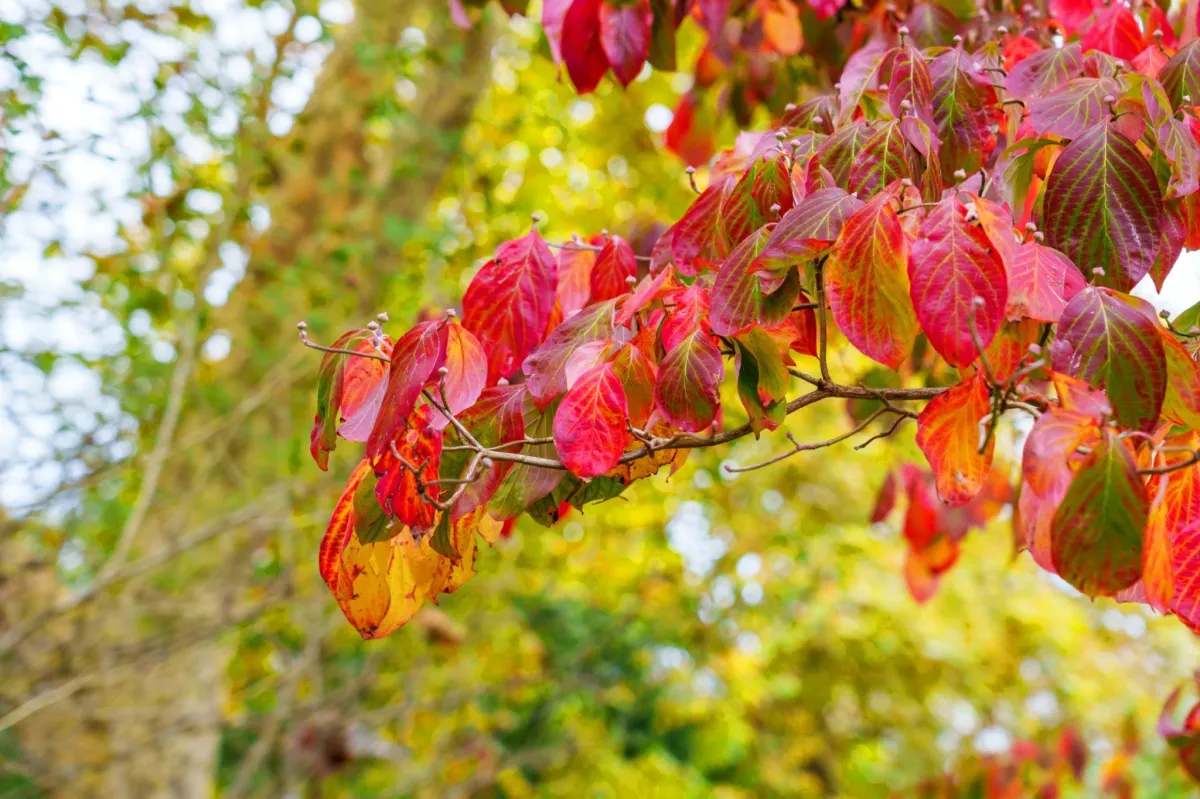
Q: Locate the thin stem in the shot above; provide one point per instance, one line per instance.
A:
(341, 351)
(822, 333)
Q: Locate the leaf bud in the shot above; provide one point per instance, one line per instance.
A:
(1039, 236)
(451, 313)
(442, 371)
(1098, 271)
(382, 316)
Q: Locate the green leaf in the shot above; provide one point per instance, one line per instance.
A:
(1096, 534)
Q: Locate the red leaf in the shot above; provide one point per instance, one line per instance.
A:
(1073, 108)
(554, 14)
(693, 143)
(886, 499)
(867, 280)
(637, 374)
(805, 323)
(963, 104)
(949, 435)
(582, 48)
(508, 304)
(1103, 207)
(415, 357)
(1044, 72)
(1115, 31)
(589, 428)
(615, 263)
(625, 36)
(696, 237)
(748, 204)
(689, 381)
(420, 445)
(690, 313)
(951, 264)
(806, 232)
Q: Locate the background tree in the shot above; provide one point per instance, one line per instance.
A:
(705, 682)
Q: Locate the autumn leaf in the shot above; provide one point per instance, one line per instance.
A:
(948, 432)
(415, 357)
(689, 381)
(1115, 347)
(508, 304)
(963, 99)
(625, 36)
(614, 265)
(1044, 72)
(738, 298)
(1180, 76)
(1097, 531)
(410, 461)
(867, 280)
(1103, 207)
(547, 367)
(589, 428)
(954, 271)
(582, 48)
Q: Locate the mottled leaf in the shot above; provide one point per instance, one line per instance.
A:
(738, 300)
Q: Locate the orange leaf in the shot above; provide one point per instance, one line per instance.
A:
(948, 433)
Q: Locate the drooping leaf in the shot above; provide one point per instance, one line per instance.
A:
(951, 264)
(415, 357)
(346, 388)
(1103, 207)
(1097, 531)
(866, 277)
(341, 526)
(589, 428)
(625, 37)
(689, 380)
(689, 313)
(948, 433)
(582, 48)
(466, 369)
(1115, 347)
(381, 586)
(637, 374)
(508, 304)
